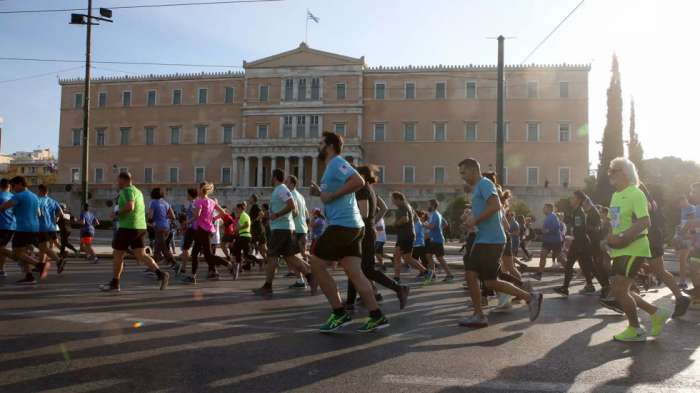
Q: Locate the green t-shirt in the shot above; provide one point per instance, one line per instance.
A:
(135, 219)
(244, 225)
(626, 207)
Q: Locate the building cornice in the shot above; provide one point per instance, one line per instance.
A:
(156, 77)
(475, 68)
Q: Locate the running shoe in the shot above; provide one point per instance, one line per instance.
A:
(611, 304)
(111, 286)
(537, 276)
(475, 321)
(298, 284)
(403, 296)
(564, 291)
(682, 304)
(164, 280)
(504, 303)
(378, 297)
(429, 277)
(263, 291)
(587, 290)
(374, 324)
(658, 320)
(45, 270)
(3, 274)
(631, 334)
(448, 278)
(27, 280)
(335, 322)
(535, 305)
(189, 280)
(61, 265)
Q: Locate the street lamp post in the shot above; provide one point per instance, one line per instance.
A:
(82, 19)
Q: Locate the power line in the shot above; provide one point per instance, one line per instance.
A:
(123, 7)
(39, 75)
(118, 62)
(552, 32)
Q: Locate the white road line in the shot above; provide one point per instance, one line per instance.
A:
(533, 386)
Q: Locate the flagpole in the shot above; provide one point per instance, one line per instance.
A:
(306, 35)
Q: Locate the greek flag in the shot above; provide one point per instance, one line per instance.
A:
(313, 17)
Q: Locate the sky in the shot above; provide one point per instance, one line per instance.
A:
(653, 41)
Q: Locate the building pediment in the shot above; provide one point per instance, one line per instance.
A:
(303, 56)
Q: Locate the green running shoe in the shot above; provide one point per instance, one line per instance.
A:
(631, 334)
(334, 322)
(373, 324)
(429, 278)
(658, 321)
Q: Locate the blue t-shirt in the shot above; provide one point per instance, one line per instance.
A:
(436, 235)
(319, 227)
(490, 231)
(685, 213)
(88, 228)
(551, 229)
(420, 236)
(49, 210)
(160, 214)
(7, 217)
(278, 201)
(26, 211)
(342, 211)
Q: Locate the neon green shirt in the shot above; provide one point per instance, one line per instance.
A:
(244, 225)
(135, 219)
(626, 207)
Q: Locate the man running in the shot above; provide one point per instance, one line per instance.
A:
(242, 243)
(49, 210)
(552, 240)
(342, 240)
(7, 224)
(484, 260)
(436, 246)
(629, 217)
(300, 227)
(131, 233)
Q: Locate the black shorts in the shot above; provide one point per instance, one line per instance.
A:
(485, 260)
(405, 244)
(283, 243)
(25, 239)
(5, 237)
(187, 239)
(418, 252)
(437, 249)
(627, 266)
(553, 247)
(126, 239)
(379, 248)
(47, 237)
(468, 245)
(339, 242)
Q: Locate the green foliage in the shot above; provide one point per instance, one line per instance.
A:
(453, 216)
(520, 208)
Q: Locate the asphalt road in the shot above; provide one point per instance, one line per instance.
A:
(65, 336)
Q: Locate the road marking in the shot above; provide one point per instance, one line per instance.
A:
(533, 386)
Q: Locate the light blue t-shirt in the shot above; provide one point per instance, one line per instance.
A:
(7, 217)
(436, 235)
(88, 228)
(300, 219)
(420, 237)
(342, 211)
(278, 201)
(49, 210)
(26, 210)
(490, 230)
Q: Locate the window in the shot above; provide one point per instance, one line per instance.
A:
(226, 176)
(531, 89)
(440, 90)
(74, 175)
(565, 132)
(124, 135)
(301, 89)
(506, 130)
(288, 89)
(177, 97)
(198, 175)
(471, 131)
(151, 99)
(409, 131)
(150, 135)
(471, 89)
(77, 136)
(202, 96)
(100, 136)
(148, 175)
(379, 132)
(440, 131)
(315, 89)
(340, 91)
(409, 91)
(409, 174)
(201, 135)
(313, 126)
(264, 91)
(380, 174)
(123, 169)
(228, 135)
(301, 126)
(439, 175)
(287, 126)
(564, 176)
(99, 175)
(78, 103)
(262, 131)
(379, 91)
(563, 89)
(174, 135)
(126, 98)
(228, 95)
(533, 132)
(339, 128)
(174, 175)
(102, 99)
(533, 175)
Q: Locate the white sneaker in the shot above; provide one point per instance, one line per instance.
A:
(475, 321)
(504, 303)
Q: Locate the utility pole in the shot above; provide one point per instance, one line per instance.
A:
(500, 137)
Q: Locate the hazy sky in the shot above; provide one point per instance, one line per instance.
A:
(653, 40)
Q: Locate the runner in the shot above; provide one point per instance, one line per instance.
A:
(243, 240)
(257, 229)
(683, 240)
(419, 250)
(7, 224)
(436, 248)
(379, 244)
(594, 229)
(318, 225)
(551, 238)
(629, 212)
(283, 244)
(131, 234)
(405, 236)
(301, 215)
(160, 213)
(230, 225)
(342, 240)
(484, 260)
(88, 221)
(64, 230)
(187, 229)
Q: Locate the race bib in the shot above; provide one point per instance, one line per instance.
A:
(615, 217)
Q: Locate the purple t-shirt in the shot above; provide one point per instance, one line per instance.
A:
(205, 219)
(160, 214)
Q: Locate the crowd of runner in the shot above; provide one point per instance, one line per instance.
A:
(615, 244)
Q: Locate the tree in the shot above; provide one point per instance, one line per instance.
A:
(635, 152)
(613, 145)
(453, 216)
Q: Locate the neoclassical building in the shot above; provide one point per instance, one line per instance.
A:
(415, 122)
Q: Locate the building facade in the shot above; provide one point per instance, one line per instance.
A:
(37, 166)
(415, 123)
